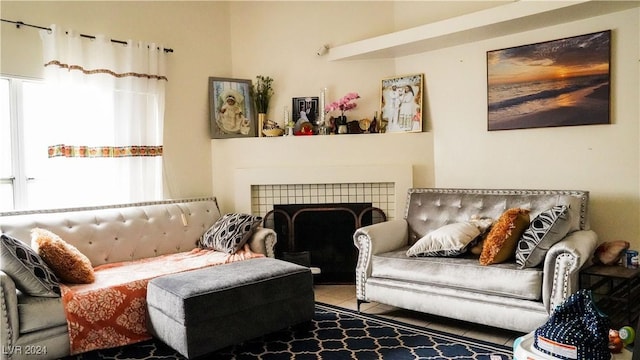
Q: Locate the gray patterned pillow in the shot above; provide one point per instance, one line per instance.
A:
(27, 269)
(545, 230)
(230, 232)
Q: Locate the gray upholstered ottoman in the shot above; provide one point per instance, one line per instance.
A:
(200, 311)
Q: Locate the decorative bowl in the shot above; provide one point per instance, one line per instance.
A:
(273, 132)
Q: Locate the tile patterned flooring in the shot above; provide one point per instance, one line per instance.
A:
(345, 296)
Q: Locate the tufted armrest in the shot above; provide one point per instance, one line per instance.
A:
(562, 266)
(9, 321)
(375, 239)
(263, 241)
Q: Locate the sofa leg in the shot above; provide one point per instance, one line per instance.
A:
(360, 302)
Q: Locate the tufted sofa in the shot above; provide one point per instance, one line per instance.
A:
(500, 295)
(35, 327)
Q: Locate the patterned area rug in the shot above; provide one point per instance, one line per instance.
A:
(335, 334)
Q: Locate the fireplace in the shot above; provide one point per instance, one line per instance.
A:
(321, 236)
(259, 189)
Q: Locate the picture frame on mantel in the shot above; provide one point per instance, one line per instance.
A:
(562, 82)
(401, 104)
(231, 112)
(305, 108)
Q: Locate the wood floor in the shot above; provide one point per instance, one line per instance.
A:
(345, 296)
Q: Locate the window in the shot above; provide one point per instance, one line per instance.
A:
(30, 178)
(16, 97)
(7, 172)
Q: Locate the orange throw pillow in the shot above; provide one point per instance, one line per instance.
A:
(66, 261)
(500, 244)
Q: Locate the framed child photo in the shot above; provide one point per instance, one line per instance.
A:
(401, 104)
(231, 108)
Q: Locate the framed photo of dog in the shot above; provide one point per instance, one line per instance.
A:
(231, 108)
(401, 104)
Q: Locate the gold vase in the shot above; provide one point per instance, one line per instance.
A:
(261, 120)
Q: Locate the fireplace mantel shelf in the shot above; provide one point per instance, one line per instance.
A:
(515, 17)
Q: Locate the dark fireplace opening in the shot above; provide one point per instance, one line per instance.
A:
(321, 236)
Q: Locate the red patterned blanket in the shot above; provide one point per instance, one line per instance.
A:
(112, 311)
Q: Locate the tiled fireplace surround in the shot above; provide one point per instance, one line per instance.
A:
(259, 189)
(380, 195)
(385, 186)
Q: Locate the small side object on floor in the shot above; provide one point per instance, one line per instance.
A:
(627, 335)
(615, 342)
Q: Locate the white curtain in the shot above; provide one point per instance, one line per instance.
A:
(105, 118)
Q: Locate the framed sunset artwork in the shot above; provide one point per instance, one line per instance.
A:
(561, 82)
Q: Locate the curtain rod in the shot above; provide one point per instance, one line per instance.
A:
(20, 23)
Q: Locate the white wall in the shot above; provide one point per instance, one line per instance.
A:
(197, 31)
(603, 159)
(279, 39)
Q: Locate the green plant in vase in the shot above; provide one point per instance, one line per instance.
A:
(261, 92)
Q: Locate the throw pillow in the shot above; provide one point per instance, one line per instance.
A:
(66, 260)
(483, 224)
(500, 244)
(476, 248)
(546, 229)
(610, 252)
(230, 232)
(449, 240)
(30, 273)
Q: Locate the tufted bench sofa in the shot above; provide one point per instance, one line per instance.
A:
(36, 327)
(500, 295)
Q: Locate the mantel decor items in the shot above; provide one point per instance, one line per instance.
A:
(561, 82)
(342, 105)
(305, 113)
(231, 108)
(401, 104)
(261, 92)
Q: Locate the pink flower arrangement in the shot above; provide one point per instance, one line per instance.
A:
(343, 104)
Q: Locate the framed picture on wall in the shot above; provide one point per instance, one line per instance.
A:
(560, 82)
(401, 104)
(231, 108)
